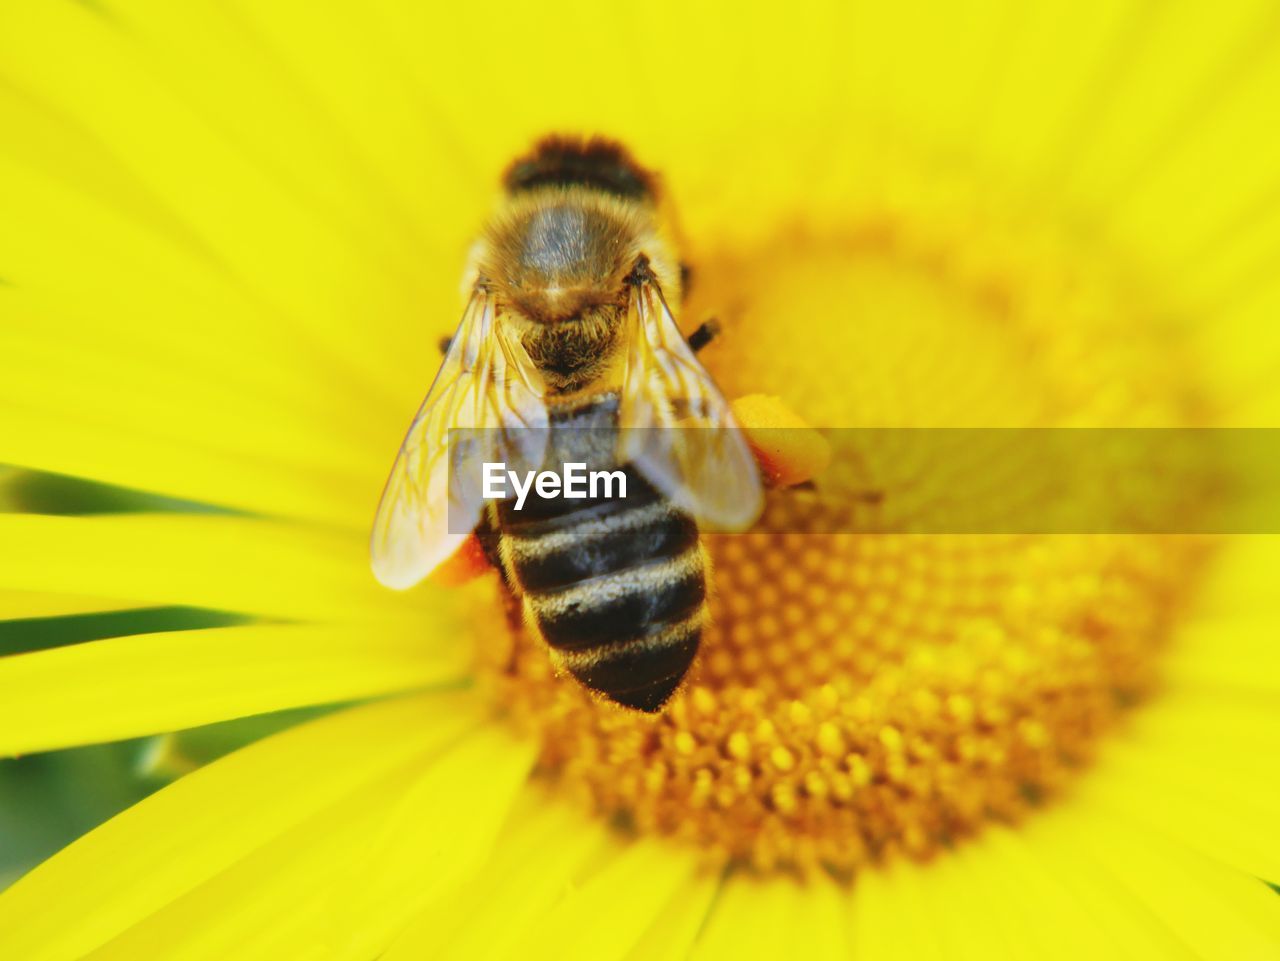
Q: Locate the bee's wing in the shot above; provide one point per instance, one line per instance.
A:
(676, 427)
(486, 381)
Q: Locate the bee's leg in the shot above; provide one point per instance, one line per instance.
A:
(704, 335)
(445, 343)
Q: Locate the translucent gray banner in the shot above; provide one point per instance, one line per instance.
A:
(897, 480)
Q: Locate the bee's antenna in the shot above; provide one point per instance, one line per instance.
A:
(641, 273)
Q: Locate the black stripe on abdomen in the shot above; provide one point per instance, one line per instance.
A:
(598, 544)
(628, 604)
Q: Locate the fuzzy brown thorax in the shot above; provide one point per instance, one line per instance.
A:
(558, 257)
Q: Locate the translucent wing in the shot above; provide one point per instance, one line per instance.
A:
(488, 383)
(674, 424)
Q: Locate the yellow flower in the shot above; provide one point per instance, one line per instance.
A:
(232, 236)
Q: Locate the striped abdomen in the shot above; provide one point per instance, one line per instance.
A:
(617, 587)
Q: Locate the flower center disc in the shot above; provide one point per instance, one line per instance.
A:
(860, 695)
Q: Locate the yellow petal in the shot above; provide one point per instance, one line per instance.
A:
(1158, 215)
(1041, 85)
(542, 849)
(295, 117)
(1226, 651)
(1168, 68)
(150, 683)
(606, 915)
(186, 312)
(1216, 910)
(1227, 729)
(959, 907)
(674, 929)
(882, 921)
(118, 390)
(1177, 769)
(219, 345)
(19, 605)
(201, 825)
(1240, 582)
(1060, 905)
(188, 308)
(228, 345)
(345, 73)
(37, 439)
(440, 833)
(774, 918)
(293, 897)
(1237, 354)
(295, 260)
(1236, 831)
(222, 562)
(272, 903)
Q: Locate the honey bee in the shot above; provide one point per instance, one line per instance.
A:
(568, 329)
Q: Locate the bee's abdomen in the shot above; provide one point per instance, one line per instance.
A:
(616, 587)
